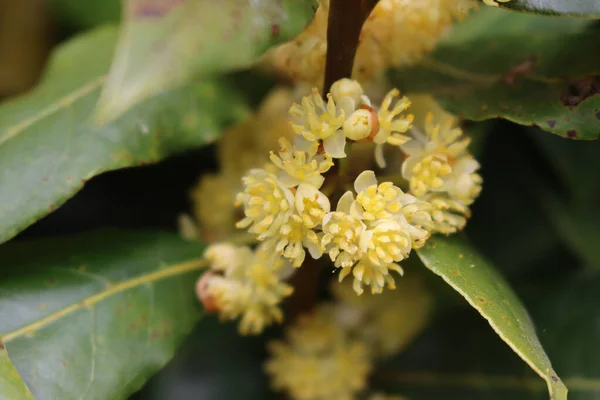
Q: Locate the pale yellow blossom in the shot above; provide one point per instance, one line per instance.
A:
(373, 275)
(298, 231)
(300, 166)
(392, 123)
(387, 242)
(398, 32)
(438, 161)
(267, 203)
(342, 231)
(213, 200)
(318, 360)
(448, 215)
(247, 285)
(316, 120)
(375, 201)
(389, 322)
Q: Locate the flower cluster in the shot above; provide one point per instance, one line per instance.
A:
(441, 172)
(329, 353)
(287, 211)
(287, 204)
(319, 361)
(245, 284)
(398, 32)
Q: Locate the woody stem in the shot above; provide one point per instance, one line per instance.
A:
(345, 21)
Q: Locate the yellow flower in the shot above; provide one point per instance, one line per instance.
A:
(375, 276)
(311, 204)
(314, 120)
(391, 124)
(298, 231)
(213, 201)
(389, 322)
(267, 203)
(359, 125)
(375, 201)
(318, 361)
(342, 233)
(398, 32)
(299, 166)
(367, 236)
(348, 94)
(448, 215)
(386, 243)
(248, 286)
(438, 161)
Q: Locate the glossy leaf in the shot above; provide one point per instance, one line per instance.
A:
(11, 385)
(578, 8)
(166, 43)
(49, 147)
(453, 259)
(529, 69)
(460, 358)
(214, 363)
(93, 316)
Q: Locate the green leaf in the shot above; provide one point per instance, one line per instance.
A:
(459, 358)
(213, 357)
(469, 274)
(169, 43)
(93, 316)
(87, 14)
(578, 8)
(528, 69)
(11, 385)
(49, 147)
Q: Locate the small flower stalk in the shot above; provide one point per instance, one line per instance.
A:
(302, 203)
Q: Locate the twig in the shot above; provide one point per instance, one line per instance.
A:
(345, 21)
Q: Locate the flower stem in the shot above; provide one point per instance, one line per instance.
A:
(345, 21)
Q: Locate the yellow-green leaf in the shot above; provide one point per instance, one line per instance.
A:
(11, 385)
(574, 8)
(529, 69)
(95, 315)
(49, 147)
(453, 259)
(166, 43)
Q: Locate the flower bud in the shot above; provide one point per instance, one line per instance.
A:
(359, 125)
(346, 88)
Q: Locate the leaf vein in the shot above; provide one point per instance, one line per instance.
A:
(165, 273)
(52, 108)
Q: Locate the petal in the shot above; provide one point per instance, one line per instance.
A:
(356, 210)
(345, 202)
(466, 165)
(412, 147)
(287, 180)
(346, 105)
(301, 144)
(379, 158)
(315, 251)
(365, 239)
(408, 165)
(365, 180)
(334, 145)
(316, 180)
(304, 191)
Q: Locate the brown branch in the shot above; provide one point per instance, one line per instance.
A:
(345, 21)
